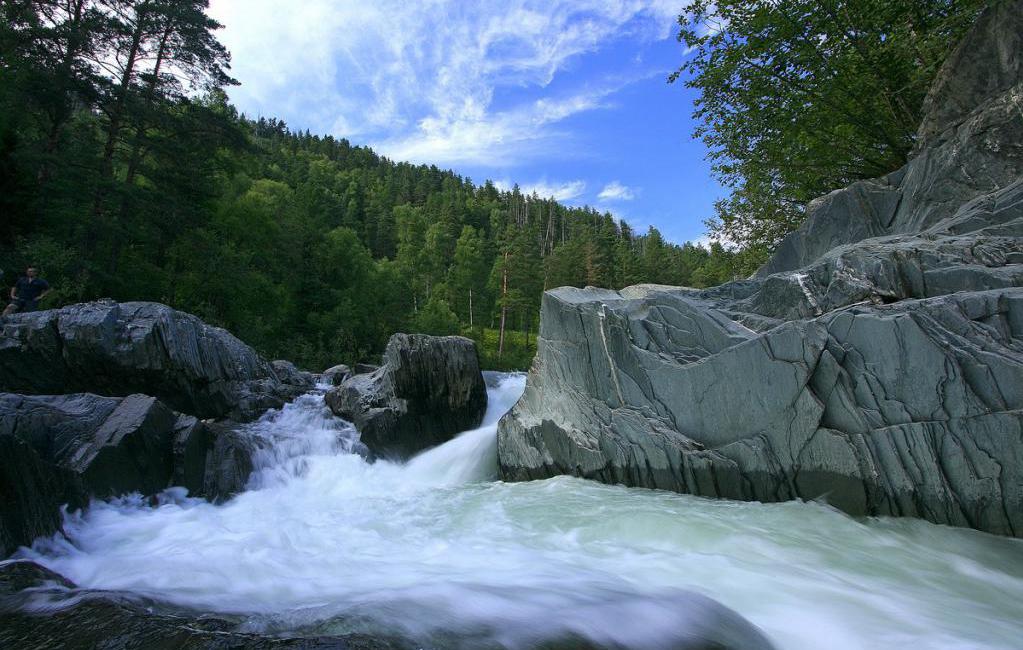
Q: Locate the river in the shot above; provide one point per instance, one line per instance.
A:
(325, 542)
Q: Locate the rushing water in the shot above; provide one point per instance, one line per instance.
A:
(325, 541)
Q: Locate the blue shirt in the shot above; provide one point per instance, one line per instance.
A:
(28, 289)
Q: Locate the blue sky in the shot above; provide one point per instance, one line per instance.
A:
(567, 97)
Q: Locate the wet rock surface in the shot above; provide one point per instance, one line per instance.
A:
(876, 361)
(335, 375)
(41, 609)
(67, 449)
(118, 349)
(428, 389)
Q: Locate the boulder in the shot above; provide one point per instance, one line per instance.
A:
(114, 445)
(213, 460)
(66, 449)
(42, 609)
(876, 361)
(429, 389)
(229, 460)
(118, 349)
(288, 373)
(335, 375)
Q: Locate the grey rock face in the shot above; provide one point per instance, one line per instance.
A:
(429, 388)
(988, 64)
(876, 361)
(969, 155)
(123, 348)
(909, 409)
(98, 619)
(335, 375)
(66, 449)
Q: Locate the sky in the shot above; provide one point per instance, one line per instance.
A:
(566, 97)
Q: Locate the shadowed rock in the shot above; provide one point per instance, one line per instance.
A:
(40, 608)
(66, 449)
(429, 388)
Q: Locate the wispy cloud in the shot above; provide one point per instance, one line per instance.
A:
(431, 81)
(566, 191)
(615, 191)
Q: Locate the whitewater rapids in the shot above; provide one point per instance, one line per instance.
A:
(324, 542)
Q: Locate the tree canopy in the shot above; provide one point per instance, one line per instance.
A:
(801, 97)
(126, 173)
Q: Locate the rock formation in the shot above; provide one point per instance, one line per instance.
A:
(118, 349)
(81, 618)
(429, 388)
(876, 360)
(43, 609)
(335, 375)
(67, 449)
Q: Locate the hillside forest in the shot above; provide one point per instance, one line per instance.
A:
(126, 173)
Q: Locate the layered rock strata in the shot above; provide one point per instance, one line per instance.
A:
(119, 349)
(58, 450)
(876, 361)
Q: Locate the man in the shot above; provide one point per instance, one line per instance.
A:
(29, 290)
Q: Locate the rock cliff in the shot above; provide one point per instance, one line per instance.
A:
(875, 361)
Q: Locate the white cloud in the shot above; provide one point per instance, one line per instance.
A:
(615, 191)
(707, 239)
(419, 80)
(565, 191)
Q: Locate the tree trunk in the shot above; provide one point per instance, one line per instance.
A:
(116, 117)
(504, 306)
(140, 131)
(470, 307)
(63, 111)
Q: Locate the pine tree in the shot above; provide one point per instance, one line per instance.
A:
(467, 277)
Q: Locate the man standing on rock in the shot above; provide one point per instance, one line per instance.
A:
(29, 290)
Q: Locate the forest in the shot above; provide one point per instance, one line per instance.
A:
(127, 174)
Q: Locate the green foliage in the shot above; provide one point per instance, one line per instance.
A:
(120, 184)
(518, 354)
(801, 97)
(436, 317)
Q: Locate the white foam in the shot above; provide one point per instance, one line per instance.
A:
(436, 544)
